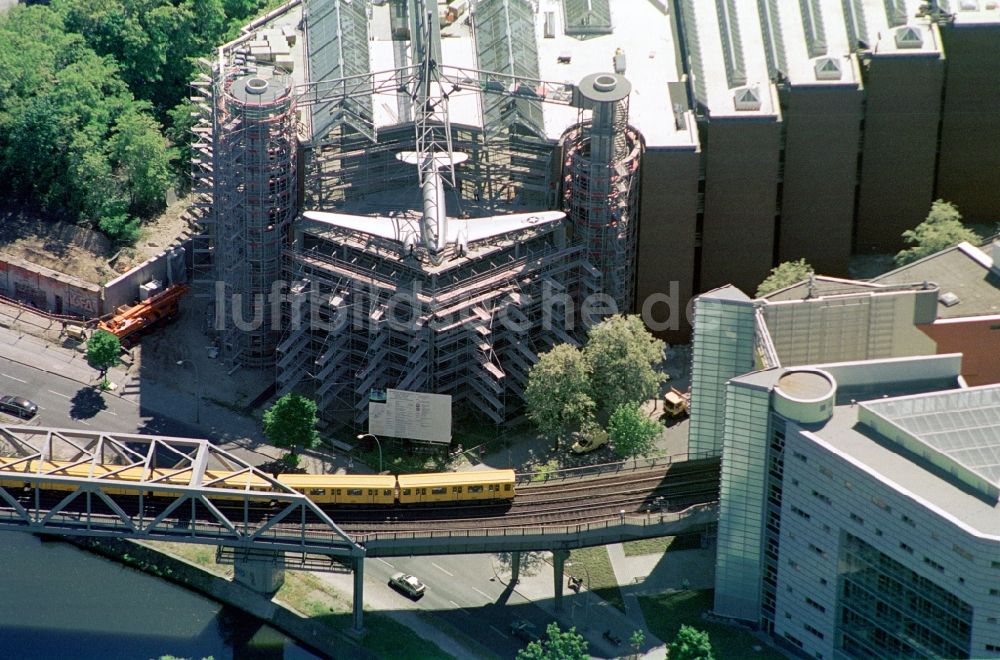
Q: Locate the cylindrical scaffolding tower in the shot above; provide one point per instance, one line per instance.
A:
(601, 183)
(255, 203)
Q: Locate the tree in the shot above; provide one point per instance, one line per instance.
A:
(636, 641)
(556, 645)
(291, 422)
(103, 351)
(632, 431)
(620, 355)
(558, 392)
(143, 160)
(690, 644)
(942, 229)
(785, 274)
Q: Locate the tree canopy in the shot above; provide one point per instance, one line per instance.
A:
(632, 431)
(291, 422)
(103, 352)
(785, 274)
(690, 644)
(621, 356)
(941, 230)
(556, 645)
(558, 392)
(84, 87)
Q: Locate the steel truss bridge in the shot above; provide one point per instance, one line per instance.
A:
(63, 482)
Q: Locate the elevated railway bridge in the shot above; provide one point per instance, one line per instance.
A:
(70, 482)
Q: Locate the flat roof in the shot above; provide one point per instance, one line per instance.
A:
(812, 44)
(885, 460)
(972, 12)
(963, 270)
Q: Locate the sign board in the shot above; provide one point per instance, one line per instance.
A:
(413, 415)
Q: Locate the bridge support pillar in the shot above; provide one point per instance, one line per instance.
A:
(358, 565)
(559, 558)
(515, 567)
(265, 575)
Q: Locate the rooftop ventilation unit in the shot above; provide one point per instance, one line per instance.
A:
(747, 99)
(949, 299)
(828, 68)
(909, 37)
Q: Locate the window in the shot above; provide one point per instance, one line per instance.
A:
(818, 551)
(909, 521)
(815, 605)
(440, 490)
(475, 489)
(317, 491)
(337, 492)
(823, 581)
(456, 489)
(793, 639)
(905, 547)
(995, 564)
(882, 504)
(858, 519)
(995, 592)
(825, 471)
(354, 492)
(800, 456)
(406, 491)
(813, 630)
(800, 512)
(387, 492)
(821, 497)
(933, 564)
(506, 486)
(991, 619)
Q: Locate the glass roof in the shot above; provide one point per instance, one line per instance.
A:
(963, 425)
(587, 16)
(337, 38)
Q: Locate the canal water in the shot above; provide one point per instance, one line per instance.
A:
(61, 602)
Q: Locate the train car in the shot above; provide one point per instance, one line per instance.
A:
(473, 485)
(344, 488)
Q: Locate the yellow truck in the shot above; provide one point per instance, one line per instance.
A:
(676, 403)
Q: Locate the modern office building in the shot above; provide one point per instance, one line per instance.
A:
(859, 509)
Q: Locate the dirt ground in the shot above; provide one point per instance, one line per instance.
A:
(81, 252)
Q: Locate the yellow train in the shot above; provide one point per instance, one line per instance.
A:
(342, 489)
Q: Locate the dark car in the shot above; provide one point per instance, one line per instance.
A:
(524, 630)
(18, 406)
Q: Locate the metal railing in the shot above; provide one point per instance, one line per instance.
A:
(631, 465)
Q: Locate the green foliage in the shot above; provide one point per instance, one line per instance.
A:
(690, 644)
(941, 230)
(632, 431)
(785, 274)
(556, 645)
(558, 392)
(72, 136)
(120, 228)
(636, 641)
(620, 356)
(103, 351)
(291, 422)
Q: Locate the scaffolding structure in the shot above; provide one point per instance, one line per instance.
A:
(254, 202)
(361, 319)
(601, 183)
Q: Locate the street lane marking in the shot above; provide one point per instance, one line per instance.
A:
(458, 606)
(82, 422)
(499, 632)
(13, 378)
(385, 562)
(65, 396)
(110, 412)
(485, 594)
(442, 570)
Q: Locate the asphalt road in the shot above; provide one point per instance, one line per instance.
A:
(64, 403)
(463, 592)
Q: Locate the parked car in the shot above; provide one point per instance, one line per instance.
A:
(18, 406)
(408, 584)
(524, 630)
(589, 441)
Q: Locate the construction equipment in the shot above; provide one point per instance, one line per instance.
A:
(128, 322)
(676, 403)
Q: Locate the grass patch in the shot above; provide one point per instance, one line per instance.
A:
(665, 613)
(595, 563)
(661, 545)
(199, 555)
(319, 601)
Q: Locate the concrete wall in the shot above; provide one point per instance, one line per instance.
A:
(822, 128)
(969, 164)
(741, 174)
(168, 267)
(47, 289)
(900, 147)
(978, 339)
(668, 211)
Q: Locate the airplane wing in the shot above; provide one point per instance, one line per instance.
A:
(378, 225)
(478, 229)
